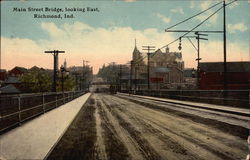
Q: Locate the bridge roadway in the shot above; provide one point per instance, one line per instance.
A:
(35, 138)
(131, 127)
(125, 127)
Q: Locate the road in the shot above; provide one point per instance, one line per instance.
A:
(112, 127)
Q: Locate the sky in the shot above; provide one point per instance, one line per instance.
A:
(108, 34)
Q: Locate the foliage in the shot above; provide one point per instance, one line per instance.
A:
(36, 81)
(69, 83)
(40, 81)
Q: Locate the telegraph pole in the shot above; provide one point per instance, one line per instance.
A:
(148, 48)
(130, 77)
(120, 75)
(198, 56)
(198, 52)
(225, 45)
(225, 85)
(85, 70)
(135, 77)
(55, 55)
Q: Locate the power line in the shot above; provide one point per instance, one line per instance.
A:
(193, 28)
(194, 15)
(193, 31)
(231, 2)
(141, 59)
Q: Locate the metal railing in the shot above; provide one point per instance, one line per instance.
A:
(16, 109)
(235, 98)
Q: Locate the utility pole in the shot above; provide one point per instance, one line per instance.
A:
(130, 77)
(62, 69)
(198, 34)
(198, 53)
(135, 76)
(225, 45)
(148, 48)
(120, 75)
(198, 56)
(55, 55)
(84, 71)
(225, 83)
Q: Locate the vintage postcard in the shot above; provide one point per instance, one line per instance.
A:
(124, 79)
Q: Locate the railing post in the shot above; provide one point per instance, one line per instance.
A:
(19, 109)
(63, 98)
(56, 99)
(43, 104)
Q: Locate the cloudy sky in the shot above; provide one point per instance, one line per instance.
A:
(109, 35)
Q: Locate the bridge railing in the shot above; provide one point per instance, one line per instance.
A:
(235, 98)
(16, 109)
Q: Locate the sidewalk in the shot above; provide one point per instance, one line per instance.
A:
(227, 109)
(34, 139)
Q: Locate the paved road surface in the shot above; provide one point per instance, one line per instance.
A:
(35, 138)
(109, 127)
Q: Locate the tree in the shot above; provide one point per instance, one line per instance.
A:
(69, 83)
(36, 81)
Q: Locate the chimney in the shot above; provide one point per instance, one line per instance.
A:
(167, 49)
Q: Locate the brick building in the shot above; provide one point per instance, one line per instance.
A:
(166, 69)
(212, 75)
(17, 71)
(3, 74)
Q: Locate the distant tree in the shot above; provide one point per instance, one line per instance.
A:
(36, 81)
(69, 83)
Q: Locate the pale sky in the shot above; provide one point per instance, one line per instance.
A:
(109, 35)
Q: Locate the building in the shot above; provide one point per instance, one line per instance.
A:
(212, 75)
(3, 74)
(9, 89)
(138, 75)
(12, 80)
(190, 78)
(165, 69)
(83, 76)
(17, 71)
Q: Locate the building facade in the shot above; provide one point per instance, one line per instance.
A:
(212, 75)
(165, 69)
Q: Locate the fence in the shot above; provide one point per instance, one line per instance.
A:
(15, 109)
(236, 98)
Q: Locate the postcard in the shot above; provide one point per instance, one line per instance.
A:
(124, 79)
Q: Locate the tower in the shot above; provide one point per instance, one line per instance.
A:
(65, 63)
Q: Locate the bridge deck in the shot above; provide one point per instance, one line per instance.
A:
(229, 109)
(34, 139)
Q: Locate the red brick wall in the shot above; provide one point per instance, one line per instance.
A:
(214, 80)
(3, 76)
(15, 72)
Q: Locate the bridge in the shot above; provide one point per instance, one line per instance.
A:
(140, 126)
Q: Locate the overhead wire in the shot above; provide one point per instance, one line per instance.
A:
(194, 16)
(199, 23)
(139, 60)
(193, 28)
